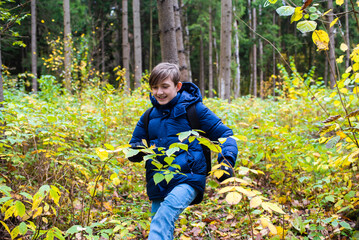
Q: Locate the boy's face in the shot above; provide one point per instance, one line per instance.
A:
(165, 91)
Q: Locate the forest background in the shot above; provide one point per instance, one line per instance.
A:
(283, 75)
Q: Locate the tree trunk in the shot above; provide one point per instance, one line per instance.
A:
(347, 41)
(251, 49)
(137, 42)
(201, 65)
(151, 35)
(180, 46)
(254, 24)
(210, 54)
(237, 81)
(103, 56)
(67, 45)
(216, 50)
(225, 59)
(274, 77)
(125, 45)
(33, 46)
(331, 47)
(1, 83)
(167, 31)
(261, 91)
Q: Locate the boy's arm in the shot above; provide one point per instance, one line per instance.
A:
(215, 129)
(136, 141)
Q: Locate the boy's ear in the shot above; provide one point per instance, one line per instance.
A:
(179, 85)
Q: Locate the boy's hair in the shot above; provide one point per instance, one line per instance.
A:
(163, 71)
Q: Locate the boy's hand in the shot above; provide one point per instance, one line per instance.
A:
(227, 174)
(139, 156)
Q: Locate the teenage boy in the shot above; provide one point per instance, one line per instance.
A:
(170, 99)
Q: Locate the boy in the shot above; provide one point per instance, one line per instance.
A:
(170, 99)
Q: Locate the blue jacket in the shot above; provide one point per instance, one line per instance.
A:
(165, 122)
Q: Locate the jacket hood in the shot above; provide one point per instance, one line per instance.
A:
(187, 95)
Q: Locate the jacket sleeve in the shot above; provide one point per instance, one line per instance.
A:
(138, 134)
(215, 129)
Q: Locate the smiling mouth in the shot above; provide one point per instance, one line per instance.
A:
(161, 97)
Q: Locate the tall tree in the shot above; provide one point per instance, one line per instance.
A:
(260, 43)
(67, 44)
(347, 40)
(254, 51)
(225, 58)
(237, 79)
(125, 45)
(137, 42)
(331, 46)
(180, 46)
(201, 65)
(210, 53)
(167, 31)
(33, 46)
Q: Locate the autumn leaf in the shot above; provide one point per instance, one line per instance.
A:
(333, 22)
(102, 153)
(266, 223)
(343, 47)
(321, 39)
(298, 14)
(233, 198)
(255, 202)
(339, 2)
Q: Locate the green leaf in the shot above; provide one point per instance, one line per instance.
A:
(330, 198)
(306, 26)
(314, 16)
(6, 190)
(169, 160)
(332, 142)
(19, 209)
(129, 152)
(58, 233)
(179, 145)
(74, 229)
(25, 194)
(345, 225)
(14, 232)
(22, 228)
(285, 11)
(168, 177)
(183, 135)
(44, 190)
(51, 119)
(171, 151)
(158, 177)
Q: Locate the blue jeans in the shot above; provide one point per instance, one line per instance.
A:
(168, 210)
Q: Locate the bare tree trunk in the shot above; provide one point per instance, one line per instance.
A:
(251, 49)
(33, 46)
(125, 45)
(186, 42)
(151, 35)
(1, 83)
(137, 42)
(331, 47)
(254, 25)
(201, 65)
(217, 62)
(261, 91)
(237, 81)
(103, 56)
(274, 62)
(347, 40)
(210, 54)
(67, 45)
(180, 46)
(226, 37)
(167, 31)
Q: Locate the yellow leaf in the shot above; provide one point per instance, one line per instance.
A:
(183, 237)
(240, 137)
(233, 198)
(219, 173)
(340, 59)
(266, 223)
(343, 47)
(102, 153)
(246, 192)
(37, 212)
(255, 202)
(297, 15)
(336, 103)
(321, 39)
(316, 155)
(327, 12)
(344, 90)
(356, 67)
(333, 22)
(349, 69)
(339, 2)
(226, 189)
(341, 134)
(356, 90)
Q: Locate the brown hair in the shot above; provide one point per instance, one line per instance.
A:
(163, 71)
